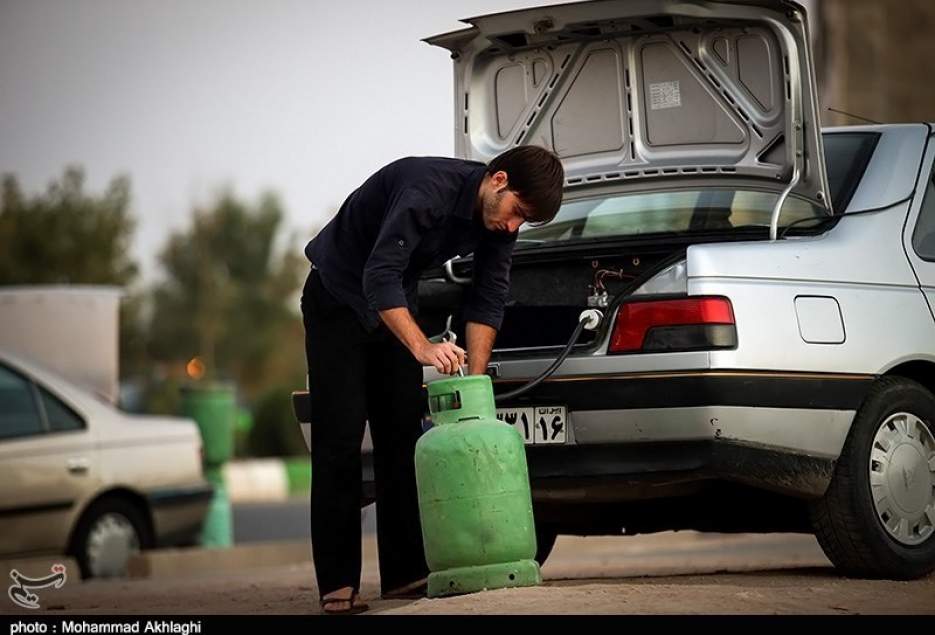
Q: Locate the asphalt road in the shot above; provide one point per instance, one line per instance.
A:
(286, 520)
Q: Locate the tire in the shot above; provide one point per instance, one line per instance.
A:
(850, 526)
(545, 541)
(109, 532)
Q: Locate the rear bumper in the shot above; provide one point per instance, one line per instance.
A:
(179, 513)
(612, 473)
(683, 389)
(644, 435)
(776, 431)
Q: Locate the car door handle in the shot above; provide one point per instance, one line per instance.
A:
(77, 465)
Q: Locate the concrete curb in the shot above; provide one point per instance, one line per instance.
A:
(266, 480)
(169, 563)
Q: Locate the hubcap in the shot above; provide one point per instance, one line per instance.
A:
(111, 542)
(902, 478)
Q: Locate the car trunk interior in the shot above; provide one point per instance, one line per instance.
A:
(548, 291)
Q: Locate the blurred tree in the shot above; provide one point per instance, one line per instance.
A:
(228, 302)
(67, 236)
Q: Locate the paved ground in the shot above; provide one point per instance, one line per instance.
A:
(667, 573)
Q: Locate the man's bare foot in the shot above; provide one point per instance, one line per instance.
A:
(343, 601)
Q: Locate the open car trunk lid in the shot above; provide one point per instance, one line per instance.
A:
(632, 91)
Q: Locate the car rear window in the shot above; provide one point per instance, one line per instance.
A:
(846, 157)
(689, 211)
(679, 212)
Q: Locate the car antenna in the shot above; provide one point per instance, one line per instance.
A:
(854, 116)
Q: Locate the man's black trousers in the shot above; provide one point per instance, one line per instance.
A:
(355, 377)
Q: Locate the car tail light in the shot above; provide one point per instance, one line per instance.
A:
(684, 324)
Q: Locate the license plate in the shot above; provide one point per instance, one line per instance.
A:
(538, 425)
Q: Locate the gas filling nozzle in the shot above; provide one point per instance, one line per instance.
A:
(591, 318)
(450, 336)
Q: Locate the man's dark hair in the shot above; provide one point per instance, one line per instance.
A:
(536, 176)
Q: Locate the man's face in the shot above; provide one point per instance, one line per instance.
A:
(502, 210)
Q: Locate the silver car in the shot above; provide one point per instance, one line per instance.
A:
(766, 361)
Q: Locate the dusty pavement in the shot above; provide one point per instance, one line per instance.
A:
(680, 572)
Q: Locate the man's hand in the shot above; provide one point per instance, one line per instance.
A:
(446, 357)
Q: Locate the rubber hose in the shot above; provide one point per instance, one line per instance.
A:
(548, 371)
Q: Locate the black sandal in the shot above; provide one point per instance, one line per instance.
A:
(412, 591)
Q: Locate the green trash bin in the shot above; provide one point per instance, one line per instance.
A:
(213, 407)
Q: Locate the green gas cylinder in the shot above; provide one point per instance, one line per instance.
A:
(474, 497)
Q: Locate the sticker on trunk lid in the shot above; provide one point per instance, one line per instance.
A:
(664, 95)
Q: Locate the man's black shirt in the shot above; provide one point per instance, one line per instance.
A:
(411, 215)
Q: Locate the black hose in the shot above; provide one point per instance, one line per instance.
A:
(548, 371)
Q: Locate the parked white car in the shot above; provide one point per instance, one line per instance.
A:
(80, 477)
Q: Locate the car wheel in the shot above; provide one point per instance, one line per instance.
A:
(545, 540)
(109, 533)
(877, 518)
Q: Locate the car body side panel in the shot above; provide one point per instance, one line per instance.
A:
(864, 249)
(769, 337)
(860, 264)
(40, 497)
(818, 433)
